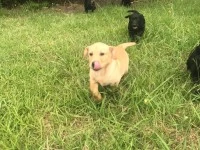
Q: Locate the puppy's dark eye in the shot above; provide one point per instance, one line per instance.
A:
(101, 54)
(90, 54)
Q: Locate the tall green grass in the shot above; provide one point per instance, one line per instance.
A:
(45, 101)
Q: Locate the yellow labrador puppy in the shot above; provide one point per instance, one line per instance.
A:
(107, 64)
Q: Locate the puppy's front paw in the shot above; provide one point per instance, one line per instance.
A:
(97, 96)
(94, 90)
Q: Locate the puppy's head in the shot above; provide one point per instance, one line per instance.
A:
(99, 55)
(134, 19)
(93, 5)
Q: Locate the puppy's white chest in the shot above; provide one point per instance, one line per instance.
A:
(112, 80)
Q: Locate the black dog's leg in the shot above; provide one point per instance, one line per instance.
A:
(140, 32)
(86, 10)
(122, 2)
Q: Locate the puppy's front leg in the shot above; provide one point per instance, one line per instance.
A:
(94, 89)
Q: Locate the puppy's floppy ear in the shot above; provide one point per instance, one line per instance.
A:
(85, 54)
(128, 16)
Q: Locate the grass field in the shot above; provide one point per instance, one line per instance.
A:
(45, 101)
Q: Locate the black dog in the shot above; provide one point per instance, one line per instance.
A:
(126, 3)
(136, 25)
(193, 64)
(89, 5)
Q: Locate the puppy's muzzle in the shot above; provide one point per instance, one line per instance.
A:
(96, 65)
(135, 27)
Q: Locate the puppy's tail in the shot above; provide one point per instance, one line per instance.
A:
(133, 11)
(125, 45)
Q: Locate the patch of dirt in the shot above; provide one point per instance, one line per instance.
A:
(47, 124)
(69, 8)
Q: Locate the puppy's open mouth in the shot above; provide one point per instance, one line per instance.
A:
(135, 27)
(96, 69)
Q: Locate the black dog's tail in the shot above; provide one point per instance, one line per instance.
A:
(133, 11)
(130, 10)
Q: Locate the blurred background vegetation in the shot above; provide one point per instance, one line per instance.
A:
(9, 4)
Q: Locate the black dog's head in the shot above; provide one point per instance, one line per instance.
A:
(93, 5)
(193, 64)
(136, 19)
(89, 5)
(126, 3)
